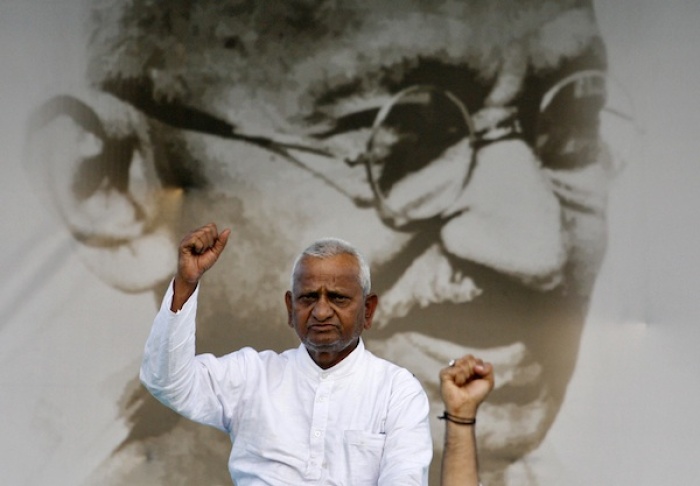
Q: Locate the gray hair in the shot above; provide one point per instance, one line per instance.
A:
(330, 247)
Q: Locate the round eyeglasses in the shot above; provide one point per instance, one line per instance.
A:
(420, 147)
(418, 154)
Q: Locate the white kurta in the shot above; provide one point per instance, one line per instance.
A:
(363, 421)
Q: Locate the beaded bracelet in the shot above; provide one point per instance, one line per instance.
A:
(457, 420)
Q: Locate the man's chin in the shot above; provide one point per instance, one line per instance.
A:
(319, 345)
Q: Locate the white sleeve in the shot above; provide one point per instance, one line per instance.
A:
(409, 447)
(172, 373)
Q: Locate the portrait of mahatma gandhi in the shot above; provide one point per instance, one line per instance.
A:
(456, 143)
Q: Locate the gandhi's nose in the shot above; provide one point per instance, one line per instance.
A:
(508, 217)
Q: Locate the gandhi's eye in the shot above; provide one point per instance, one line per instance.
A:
(568, 124)
(351, 122)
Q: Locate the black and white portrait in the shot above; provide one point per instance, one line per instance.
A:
(467, 148)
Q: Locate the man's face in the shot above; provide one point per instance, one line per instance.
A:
(327, 308)
(503, 269)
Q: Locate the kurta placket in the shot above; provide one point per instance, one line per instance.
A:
(319, 425)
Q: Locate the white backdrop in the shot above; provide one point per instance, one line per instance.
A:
(634, 395)
(630, 416)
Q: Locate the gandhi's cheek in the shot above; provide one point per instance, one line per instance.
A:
(288, 204)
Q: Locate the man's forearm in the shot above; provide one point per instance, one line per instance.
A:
(182, 291)
(170, 349)
(459, 461)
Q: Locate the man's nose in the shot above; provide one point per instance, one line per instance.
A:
(322, 309)
(508, 217)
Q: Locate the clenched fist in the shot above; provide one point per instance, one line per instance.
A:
(465, 384)
(198, 252)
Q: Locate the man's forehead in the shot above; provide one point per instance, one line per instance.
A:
(337, 270)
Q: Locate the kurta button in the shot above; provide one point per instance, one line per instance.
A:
(317, 433)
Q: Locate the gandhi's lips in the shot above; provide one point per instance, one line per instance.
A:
(518, 377)
(529, 335)
(518, 395)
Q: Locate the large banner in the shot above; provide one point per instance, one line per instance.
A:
(520, 174)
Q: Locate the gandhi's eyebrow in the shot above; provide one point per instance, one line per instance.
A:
(139, 94)
(332, 93)
(184, 117)
(391, 78)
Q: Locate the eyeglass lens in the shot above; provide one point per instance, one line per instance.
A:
(582, 115)
(413, 165)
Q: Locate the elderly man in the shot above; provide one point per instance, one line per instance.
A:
(456, 142)
(327, 412)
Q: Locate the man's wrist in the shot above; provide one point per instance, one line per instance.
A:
(182, 291)
(458, 419)
(465, 410)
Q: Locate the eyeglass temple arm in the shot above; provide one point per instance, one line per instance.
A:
(184, 117)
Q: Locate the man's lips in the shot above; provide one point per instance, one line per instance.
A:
(322, 327)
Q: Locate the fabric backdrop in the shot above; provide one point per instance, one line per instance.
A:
(74, 321)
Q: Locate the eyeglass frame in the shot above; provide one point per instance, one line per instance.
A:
(192, 119)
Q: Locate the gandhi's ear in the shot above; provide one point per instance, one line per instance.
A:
(94, 163)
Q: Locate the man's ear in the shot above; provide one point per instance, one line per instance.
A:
(93, 162)
(371, 302)
(288, 303)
